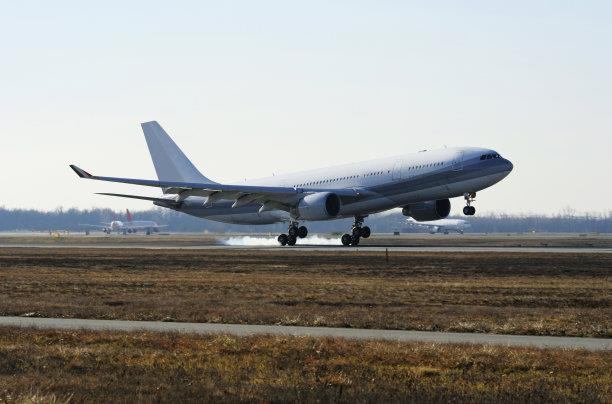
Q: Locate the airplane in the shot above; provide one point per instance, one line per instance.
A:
(420, 183)
(131, 226)
(442, 225)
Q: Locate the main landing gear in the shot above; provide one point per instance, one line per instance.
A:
(356, 233)
(469, 210)
(295, 231)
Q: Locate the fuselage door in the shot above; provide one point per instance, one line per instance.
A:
(458, 163)
(397, 171)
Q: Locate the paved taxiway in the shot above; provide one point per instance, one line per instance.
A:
(351, 333)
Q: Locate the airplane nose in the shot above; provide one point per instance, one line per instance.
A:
(509, 165)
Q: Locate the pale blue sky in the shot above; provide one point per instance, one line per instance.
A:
(251, 88)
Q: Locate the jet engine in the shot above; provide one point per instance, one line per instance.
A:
(318, 206)
(429, 210)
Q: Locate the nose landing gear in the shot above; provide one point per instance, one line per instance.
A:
(357, 233)
(469, 210)
(294, 232)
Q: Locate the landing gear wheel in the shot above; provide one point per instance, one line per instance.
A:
(469, 210)
(291, 240)
(357, 232)
(469, 197)
(293, 231)
(282, 239)
(302, 232)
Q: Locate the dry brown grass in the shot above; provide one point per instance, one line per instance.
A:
(128, 367)
(557, 294)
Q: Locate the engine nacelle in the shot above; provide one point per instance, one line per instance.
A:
(318, 206)
(426, 211)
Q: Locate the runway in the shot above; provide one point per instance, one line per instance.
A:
(594, 344)
(314, 247)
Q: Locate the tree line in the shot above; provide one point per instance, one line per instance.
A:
(73, 219)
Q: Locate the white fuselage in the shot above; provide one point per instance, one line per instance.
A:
(442, 225)
(384, 184)
(118, 225)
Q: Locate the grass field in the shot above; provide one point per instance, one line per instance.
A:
(46, 366)
(516, 293)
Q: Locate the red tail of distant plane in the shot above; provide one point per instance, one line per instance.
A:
(129, 215)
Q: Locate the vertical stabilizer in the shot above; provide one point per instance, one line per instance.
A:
(170, 162)
(130, 218)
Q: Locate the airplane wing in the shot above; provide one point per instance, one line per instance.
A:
(280, 197)
(139, 227)
(95, 226)
(165, 201)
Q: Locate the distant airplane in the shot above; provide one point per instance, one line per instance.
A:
(131, 226)
(420, 183)
(442, 226)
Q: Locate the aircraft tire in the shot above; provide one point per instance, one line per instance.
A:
(365, 232)
(282, 239)
(346, 240)
(469, 210)
(291, 240)
(302, 232)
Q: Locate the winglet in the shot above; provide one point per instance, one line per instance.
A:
(80, 172)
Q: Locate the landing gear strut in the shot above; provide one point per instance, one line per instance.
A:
(295, 231)
(357, 232)
(470, 197)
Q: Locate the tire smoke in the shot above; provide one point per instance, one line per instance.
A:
(271, 241)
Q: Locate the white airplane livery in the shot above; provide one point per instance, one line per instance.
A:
(420, 183)
(442, 226)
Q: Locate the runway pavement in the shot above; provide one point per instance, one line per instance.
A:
(314, 247)
(351, 333)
